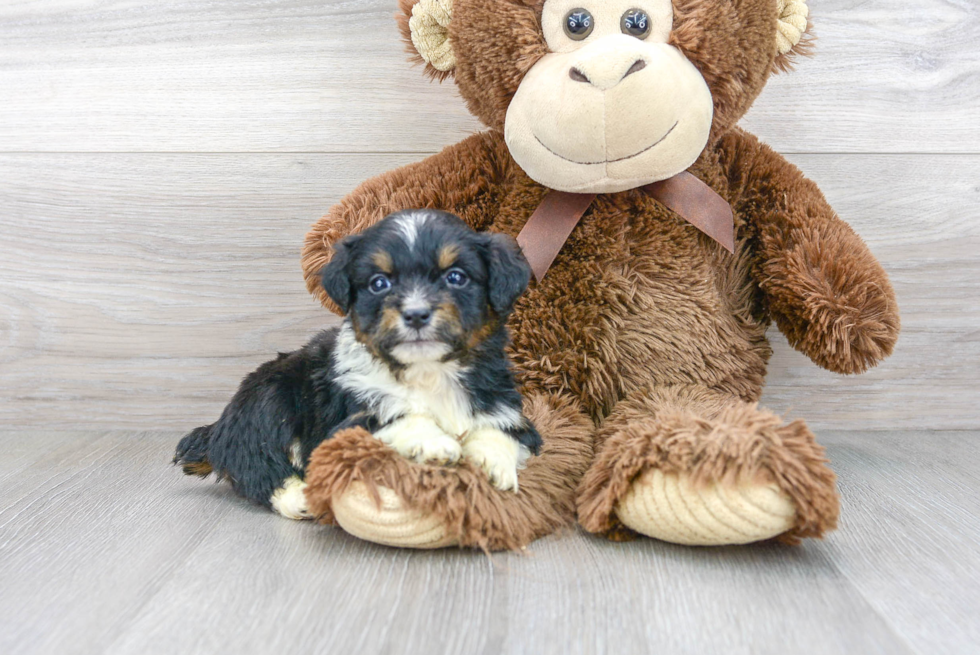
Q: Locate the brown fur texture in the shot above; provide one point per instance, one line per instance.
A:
(643, 323)
(478, 513)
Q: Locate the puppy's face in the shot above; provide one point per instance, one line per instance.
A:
(422, 286)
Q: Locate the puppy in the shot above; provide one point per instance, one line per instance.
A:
(419, 362)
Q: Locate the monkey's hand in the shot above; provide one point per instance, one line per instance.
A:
(832, 300)
(823, 287)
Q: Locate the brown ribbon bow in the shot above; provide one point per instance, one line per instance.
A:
(553, 221)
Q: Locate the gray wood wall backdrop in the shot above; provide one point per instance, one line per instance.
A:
(160, 163)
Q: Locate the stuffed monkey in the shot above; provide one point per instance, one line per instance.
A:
(665, 240)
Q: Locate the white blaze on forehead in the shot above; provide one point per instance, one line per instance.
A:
(409, 226)
(415, 299)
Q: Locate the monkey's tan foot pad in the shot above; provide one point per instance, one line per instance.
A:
(671, 508)
(392, 524)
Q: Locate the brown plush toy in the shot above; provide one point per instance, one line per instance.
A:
(642, 350)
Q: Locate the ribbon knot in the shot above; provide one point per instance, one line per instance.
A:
(552, 222)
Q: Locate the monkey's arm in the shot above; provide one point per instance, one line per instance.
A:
(461, 179)
(823, 287)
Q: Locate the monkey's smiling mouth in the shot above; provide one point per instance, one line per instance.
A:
(609, 161)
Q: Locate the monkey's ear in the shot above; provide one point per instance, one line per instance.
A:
(508, 272)
(424, 25)
(335, 275)
(792, 32)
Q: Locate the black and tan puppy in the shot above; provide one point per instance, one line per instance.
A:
(419, 362)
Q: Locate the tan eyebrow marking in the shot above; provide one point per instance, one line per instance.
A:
(383, 261)
(448, 255)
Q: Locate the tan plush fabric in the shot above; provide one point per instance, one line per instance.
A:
(792, 24)
(670, 507)
(391, 523)
(429, 27)
(653, 123)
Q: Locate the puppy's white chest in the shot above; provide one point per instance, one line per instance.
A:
(435, 390)
(432, 389)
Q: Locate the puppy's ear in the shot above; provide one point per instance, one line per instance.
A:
(509, 273)
(335, 275)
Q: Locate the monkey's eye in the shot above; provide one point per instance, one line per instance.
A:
(579, 24)
(635, 22)
(457, 278)
(379, 283)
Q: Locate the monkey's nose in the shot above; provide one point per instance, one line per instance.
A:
(638, 65)
(417, 318)
(605, 76)
(578, 75)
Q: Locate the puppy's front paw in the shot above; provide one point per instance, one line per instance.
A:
(289, 500)
(496, 453)
(420, 439)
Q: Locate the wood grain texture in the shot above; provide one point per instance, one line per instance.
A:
(137, 290)
(332, 76)
(911, 508)
(106, 548)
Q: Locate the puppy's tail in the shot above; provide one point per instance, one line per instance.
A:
(192, 452)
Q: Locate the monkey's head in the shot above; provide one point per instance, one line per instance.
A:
(599, 96)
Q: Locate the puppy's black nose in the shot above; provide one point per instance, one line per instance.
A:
(417, 318)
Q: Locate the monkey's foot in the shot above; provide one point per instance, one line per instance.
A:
(672, 508)
(357, 482)
(734, 477)
(391, 523)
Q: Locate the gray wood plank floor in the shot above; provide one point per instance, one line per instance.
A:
(105, 548)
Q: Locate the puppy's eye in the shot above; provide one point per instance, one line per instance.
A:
(379, 283)
(579, 24)
(635, 22)
(457, 278)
